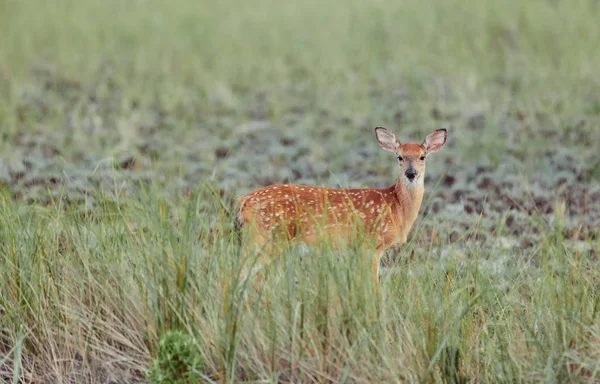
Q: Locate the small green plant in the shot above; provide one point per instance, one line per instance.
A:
(177, 360)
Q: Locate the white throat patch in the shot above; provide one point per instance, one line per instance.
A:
(411, 184)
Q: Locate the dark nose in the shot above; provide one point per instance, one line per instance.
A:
(411, 173)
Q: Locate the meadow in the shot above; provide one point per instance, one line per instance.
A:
(128, 128)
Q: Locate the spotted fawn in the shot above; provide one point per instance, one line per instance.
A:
(302, 214)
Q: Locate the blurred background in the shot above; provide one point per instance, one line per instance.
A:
(244, 94)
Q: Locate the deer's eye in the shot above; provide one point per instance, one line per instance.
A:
(400, 158)
(422, 158)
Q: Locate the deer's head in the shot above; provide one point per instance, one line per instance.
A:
(411, 156)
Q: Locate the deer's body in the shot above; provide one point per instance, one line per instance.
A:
(386, 213)
(308, 214)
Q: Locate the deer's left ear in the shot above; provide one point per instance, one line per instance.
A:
(435, 140)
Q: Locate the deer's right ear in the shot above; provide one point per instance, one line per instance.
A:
(387, 139)
(435, 140)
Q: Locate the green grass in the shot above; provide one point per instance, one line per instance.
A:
(98, 265)
(97, 291)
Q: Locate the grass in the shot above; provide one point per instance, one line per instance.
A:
(126, 128)
(92, 294)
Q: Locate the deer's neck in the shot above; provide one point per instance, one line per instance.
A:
(409, 198)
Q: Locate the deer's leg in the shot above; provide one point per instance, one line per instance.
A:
(261, 248)
(256, 252)
(375, 269)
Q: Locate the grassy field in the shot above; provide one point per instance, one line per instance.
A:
(127, 128)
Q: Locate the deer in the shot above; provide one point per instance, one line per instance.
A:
(299, 213)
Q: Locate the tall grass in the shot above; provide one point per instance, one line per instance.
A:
(90, 295)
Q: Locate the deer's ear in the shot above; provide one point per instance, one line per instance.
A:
(435, 140)
(387, 139)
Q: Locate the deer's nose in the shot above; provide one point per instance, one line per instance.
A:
(411, 173)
